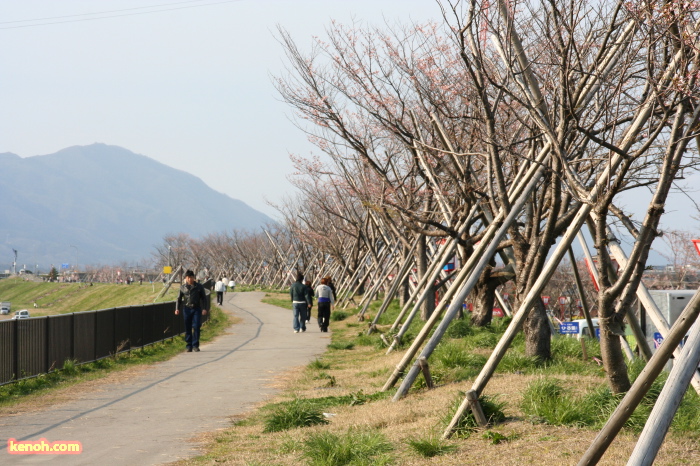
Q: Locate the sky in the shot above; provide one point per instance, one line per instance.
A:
(187, 83)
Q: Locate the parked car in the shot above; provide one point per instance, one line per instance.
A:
(5, 308)
(23, 314)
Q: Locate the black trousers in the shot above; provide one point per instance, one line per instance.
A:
(324, 315)
(219, 297)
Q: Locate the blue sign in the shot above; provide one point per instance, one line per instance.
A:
(658, 339)
(65, 266)
(568, 328)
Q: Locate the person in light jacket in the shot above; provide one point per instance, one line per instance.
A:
(220, 288)
(324, 300)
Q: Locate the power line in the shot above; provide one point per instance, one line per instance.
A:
(111, 14)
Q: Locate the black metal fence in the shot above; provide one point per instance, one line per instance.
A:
(29, 347)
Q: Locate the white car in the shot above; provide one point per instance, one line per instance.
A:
(4, 310)
(23, 314)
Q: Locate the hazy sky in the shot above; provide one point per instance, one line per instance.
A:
(186, 83)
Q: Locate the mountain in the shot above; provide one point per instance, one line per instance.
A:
(109, 203)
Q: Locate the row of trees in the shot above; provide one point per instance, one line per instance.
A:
(494, 134)
(546, 110)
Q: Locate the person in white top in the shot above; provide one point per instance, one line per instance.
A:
(220, 289)
(324, 298)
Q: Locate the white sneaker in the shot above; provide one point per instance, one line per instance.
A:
(296, 331)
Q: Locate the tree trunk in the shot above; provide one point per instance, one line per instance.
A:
(428, 305)
(537, 333)
(611, 349)
(483, 299)
(404, 292)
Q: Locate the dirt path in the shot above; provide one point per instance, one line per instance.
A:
(152, 418)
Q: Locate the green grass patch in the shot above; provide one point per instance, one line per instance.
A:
(496, 437)
(492, 407)
(459, 328)
(355, 447)
(549, 400)
(431, 446)
(337, 316)
(61, 298)
(317, 364)
(341, 345)
(294, 414)
(277, 301)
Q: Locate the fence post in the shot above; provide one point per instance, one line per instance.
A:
(15, 349)
(72, 336)
(47, 328)
(94, 337)
(115, 340)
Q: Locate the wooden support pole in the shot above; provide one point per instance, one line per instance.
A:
(426, 372)
(582, 294)
(667, 404)
(649, 304)
(484, 256)
(642, 384)
(400, 276)
(430, 276)
(475, 406)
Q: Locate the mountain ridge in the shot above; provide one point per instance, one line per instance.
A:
(112, 204)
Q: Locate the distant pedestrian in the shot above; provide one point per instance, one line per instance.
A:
(307, 283)
(220, 289)
(324, 298)
(194, 303)
(331, 285)
(301, 300)
(232, 284)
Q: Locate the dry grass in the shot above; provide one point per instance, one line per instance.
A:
(420, 415)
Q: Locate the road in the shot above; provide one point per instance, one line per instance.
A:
(153, 417)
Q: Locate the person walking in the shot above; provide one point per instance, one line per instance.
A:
(332, 287)
(301, 301)
(194, 303)
(325, 298)
(307, 283)
(220, 288)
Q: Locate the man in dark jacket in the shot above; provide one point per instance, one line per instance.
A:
(301, 301)
(311, 293)
(194, 303)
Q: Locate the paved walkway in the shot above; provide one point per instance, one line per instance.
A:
(151, 418)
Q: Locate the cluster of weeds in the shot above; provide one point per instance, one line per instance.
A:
(354, 447)
(459, 328)
(515, 361)
(293, 414)
(548, 400)
(453, 361)
(496, 437)
(318, 364)
(491, 406)
(330, 379)
(341, 345)
(325, 402)
(431, 446)
(544, 400)
(373, 340)
(337, 316)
